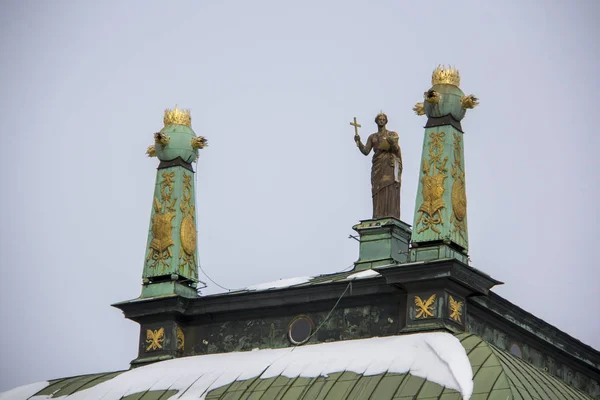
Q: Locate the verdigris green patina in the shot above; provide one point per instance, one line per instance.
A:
(440, 221)
(170, 264)
(383, 241)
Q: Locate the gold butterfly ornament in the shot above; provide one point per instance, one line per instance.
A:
(155, 339)
(455, 309)
(424, 308)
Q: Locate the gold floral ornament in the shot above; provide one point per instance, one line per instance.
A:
(419, 109)
(431, 96)
(161, 138)
(151, 151)
(424, 308)
(434, 175)
(469, 102)
(178, 117)
(459, 194)
(199, 142)
(443, 75)
(164, 212)
(180, 339)
(455, 309)
(155, 339)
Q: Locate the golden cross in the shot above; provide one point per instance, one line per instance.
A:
(356, 125)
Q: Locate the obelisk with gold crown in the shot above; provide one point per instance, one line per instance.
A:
(170, 261)
(440, 221)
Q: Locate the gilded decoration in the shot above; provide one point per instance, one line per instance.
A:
(445, 75)
(424, 309)
(459, 196)
(431, 96)
(199, 142)
(419, 109)
(164, 212)
(178, 117)
(180, 339)
(434, 176)
(455, 309)
(187, 254)
(469, 102)
(155, 339)
(151, 151)
(161, 138)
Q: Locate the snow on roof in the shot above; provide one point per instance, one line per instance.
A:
(23, 392)
(438, 357)
(281, 283)
(368, 273)
(289, 282)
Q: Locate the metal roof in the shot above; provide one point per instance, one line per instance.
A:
(497, 375)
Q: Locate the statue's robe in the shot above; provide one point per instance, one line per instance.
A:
(386, 175)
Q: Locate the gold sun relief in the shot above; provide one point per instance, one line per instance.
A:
(187, 230)
(424, 309)
(155, 339)
(455, 309)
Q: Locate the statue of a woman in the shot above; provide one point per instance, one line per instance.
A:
(387, 169)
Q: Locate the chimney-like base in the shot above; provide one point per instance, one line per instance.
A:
(383, 241)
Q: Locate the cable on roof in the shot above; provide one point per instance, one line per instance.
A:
(210, 279)
(199, 264)
(328, 315)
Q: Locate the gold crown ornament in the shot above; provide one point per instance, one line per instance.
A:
(178, 117)
(445, 75)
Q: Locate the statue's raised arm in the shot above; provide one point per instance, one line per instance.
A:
(365, 149)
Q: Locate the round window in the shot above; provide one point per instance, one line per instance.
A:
(300, 329)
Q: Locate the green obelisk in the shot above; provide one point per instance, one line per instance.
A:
(440, 221)
(170, 261)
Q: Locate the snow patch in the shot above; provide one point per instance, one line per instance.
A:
(438, 357)
(368, 273)
(23, 392)
(282, 283)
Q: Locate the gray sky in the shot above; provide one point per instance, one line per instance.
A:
(273, 86)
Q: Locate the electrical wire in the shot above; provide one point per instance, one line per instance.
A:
(328, 315)
(210, 279)
(199, 263)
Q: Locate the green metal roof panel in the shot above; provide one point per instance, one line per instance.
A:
(134, 396)
(54, 385)
(388, 385)
(99, 379)
(151, 395)
(67, 386)
(320, 387)
(497, 375)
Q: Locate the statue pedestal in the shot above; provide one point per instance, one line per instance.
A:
(383, 241)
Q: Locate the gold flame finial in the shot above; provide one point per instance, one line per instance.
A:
(445, 75)
(178, 117)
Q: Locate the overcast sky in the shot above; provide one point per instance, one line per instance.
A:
(273, 85)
